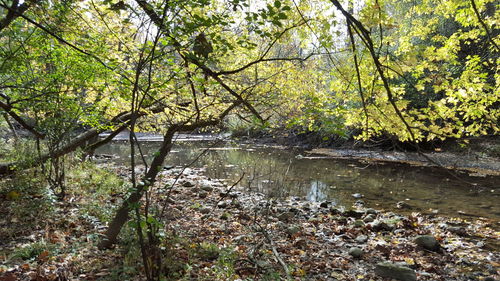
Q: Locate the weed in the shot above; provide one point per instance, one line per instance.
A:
(32, 251)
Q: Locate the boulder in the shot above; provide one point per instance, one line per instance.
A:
(395, 271)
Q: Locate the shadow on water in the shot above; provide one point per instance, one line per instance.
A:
(282, 173)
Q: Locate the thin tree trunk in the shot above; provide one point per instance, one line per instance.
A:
(11, 126)
(122, 215)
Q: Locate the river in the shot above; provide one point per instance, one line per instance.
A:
(281, 172)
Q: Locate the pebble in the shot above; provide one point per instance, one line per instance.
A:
(222, 204)
(358, 195)
(379, 225)
(204, 210)
(369, 218)
(403, 205)
(293, 229)
(355, 252)
(202, 194)
(361, 239)
(324, 204)
(427, 242)
(207, 188)
(188, 184)
(358, 223)
(352, 214)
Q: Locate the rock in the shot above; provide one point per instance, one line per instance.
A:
(361, 239)
(398, 272)
(399, 231)
(173, 214)
(222, 204)
(403, 205)
(379, 225)
(359, 203)
(235, 195)
(352, 214)
(358, 195)
(369, 218)
(324, 204)
(205, 210)
(306, 207)
(358, 223)
(335, 211)
(293, 229)
(188, 184)
(202, 194)
(460, 231)
(207, 188)
(489, 278)
(355, 252)
(224, 216)
(371, 211)
(427, 242)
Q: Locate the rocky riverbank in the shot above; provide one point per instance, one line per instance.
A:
(238, 235)
(319, 241)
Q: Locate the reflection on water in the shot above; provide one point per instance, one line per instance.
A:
(279, 173)
(317, 191)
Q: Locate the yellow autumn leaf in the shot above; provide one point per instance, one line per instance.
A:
(299, 272)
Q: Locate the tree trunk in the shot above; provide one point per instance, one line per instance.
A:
(122, 214)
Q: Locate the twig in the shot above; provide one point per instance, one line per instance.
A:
(275, 252)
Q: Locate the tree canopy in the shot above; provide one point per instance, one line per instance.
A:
(415, 70)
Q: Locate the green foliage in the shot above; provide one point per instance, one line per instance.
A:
(30, 252)
(99, 185)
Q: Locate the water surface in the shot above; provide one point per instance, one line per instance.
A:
(284, 172)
